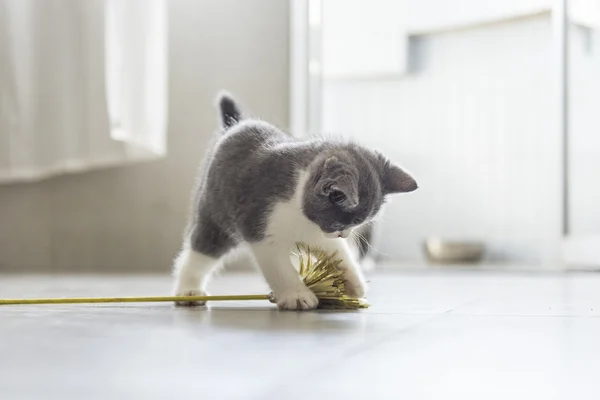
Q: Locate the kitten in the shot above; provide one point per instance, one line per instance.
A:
(266, 190)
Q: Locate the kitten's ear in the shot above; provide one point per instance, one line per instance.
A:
(342, 193)
(339, 182)
(396, 180)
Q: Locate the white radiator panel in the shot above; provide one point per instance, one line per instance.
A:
(584, 96)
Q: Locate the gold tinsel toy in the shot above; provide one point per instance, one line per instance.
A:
(318, 269)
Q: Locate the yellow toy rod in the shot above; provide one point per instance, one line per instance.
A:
(147, 299)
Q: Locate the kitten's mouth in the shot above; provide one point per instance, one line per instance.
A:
(337, 234)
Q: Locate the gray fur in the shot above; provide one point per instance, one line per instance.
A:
(255, 165)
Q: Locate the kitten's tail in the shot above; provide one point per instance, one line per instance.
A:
(229, 109)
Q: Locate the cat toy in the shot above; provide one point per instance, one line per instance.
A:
(319, 270)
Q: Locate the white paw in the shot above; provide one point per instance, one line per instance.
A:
(368, 264)
(356, 285)
(297, 300)
(192, 292)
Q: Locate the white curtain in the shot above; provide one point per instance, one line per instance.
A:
(82, 85)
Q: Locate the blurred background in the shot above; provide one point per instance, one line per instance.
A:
(106, 109)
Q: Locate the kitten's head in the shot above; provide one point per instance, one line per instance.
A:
(347, 186)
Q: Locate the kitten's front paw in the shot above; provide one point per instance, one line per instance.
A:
(367, 264)
(356, 285)
(193, 292)
(297, 300)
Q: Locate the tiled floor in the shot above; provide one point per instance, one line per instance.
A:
(439, 335)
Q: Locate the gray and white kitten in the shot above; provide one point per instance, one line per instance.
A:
(265, 190)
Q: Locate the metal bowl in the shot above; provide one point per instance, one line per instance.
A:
(442, 251)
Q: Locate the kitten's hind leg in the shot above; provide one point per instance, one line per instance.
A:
(200, 257)
(192, 272)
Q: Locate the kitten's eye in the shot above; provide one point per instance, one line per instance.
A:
(357, 221)
(337, 197)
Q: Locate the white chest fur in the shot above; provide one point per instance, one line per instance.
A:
(287, 222)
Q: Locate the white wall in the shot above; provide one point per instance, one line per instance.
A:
(131, 218)
(475, 121)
